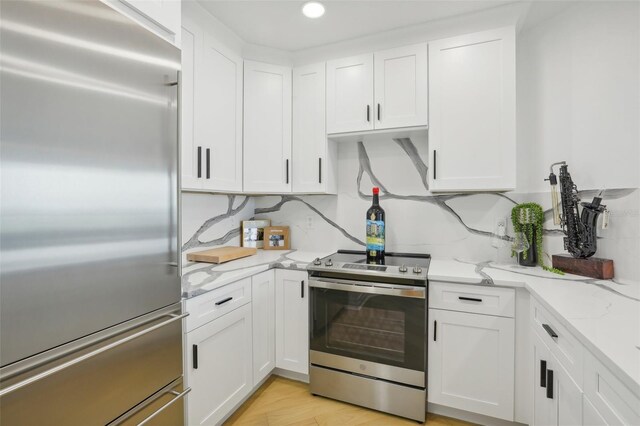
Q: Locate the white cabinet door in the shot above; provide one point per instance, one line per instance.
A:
(263, 298)
(557, 399)
(218, 116)
(159, 16)
(591, 416)
(401, 87)
(350, 94)
(544, 407)
(219, 366)
(313, 161)
(472, 112)
(568, 397)
(471, 362)
(191, 153)
(292, 320)
(211, 113)
(267, 128)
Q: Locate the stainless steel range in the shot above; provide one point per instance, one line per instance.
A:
(368, 331)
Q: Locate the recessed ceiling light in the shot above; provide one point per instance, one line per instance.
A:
(313, 9)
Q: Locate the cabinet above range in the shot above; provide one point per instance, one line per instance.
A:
(381, 90)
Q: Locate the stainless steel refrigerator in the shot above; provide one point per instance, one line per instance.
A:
(90, 313)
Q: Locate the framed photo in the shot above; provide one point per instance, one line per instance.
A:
(253, 232)
(276, 238)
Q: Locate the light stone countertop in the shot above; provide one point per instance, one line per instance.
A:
(603, 315)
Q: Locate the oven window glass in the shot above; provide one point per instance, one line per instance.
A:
(379, 328)
(366, 330)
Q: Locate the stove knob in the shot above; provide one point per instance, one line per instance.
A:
(417, 270)
(317, 262)
(328, 263)
(403, 268)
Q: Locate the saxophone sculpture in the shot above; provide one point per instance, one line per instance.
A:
(579, 227)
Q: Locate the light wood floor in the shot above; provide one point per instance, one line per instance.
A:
(282, 401)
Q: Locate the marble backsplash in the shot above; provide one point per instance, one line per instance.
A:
(460, 226)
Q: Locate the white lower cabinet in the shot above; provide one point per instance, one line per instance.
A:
(292, 320)
(591, 416)
(557, 399)
(264, 324)
(471, 362)
(219, 366)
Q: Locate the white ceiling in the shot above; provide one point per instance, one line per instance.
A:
(281, 25)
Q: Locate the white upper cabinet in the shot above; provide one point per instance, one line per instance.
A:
(219, 113)
(401, 95)
(314, 158)
(472, 112)
(162, 17)
(384, 90)
(211, 109)
(191, 153)
(267, 128)
(350, 94)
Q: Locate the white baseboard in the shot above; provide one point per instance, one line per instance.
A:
(300, 377)
(468, 416)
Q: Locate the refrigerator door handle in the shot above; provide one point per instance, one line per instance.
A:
(177, 398)
(91, 354)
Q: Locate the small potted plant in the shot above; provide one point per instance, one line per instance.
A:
(528, 218)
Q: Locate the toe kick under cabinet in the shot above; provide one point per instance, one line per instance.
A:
(471, 348)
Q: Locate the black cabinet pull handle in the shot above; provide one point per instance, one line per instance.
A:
(378, 112)
(435, 330)
(199, 161)
(368, 113)
(223, 301)
(550, 331)
(208, 163)
(302, 289)
(319, 169)
(550, 384)
(470, 299)
(287, 167)
(195, 356)
(434, 164)
(543, 373)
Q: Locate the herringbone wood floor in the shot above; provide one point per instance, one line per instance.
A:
(282, 401)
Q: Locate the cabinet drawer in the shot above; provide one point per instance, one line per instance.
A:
(216, 303)
(562, 344)
(614, 402)
(472, 298)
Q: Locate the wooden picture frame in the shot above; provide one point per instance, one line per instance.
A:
(277, 238)
(252, 232)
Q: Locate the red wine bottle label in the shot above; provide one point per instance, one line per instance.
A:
(375, 235)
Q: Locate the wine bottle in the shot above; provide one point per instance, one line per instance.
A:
(375, 231)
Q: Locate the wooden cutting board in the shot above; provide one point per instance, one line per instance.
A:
(221, 254)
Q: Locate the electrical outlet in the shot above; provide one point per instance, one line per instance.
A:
(309, 222)
(501, 226)
(499, 231)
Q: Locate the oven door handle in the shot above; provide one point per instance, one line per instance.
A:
(362, 287)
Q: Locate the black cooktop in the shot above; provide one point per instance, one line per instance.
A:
(390, 259)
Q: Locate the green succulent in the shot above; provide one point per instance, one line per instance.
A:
(528, 218)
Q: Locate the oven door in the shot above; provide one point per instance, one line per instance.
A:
(372, 329)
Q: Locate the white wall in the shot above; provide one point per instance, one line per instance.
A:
(578, 91)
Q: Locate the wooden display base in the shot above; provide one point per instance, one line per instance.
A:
(591, 267)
